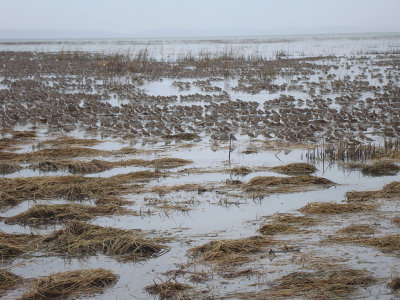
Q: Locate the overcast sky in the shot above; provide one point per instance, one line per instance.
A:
(248, 16)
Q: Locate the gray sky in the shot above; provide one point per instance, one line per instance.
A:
(190, 16)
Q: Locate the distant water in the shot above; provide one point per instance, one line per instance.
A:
(266, 47)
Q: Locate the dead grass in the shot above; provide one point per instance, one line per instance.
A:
(15, 190)
(357, 229)
(396, 220)
(167, 290)
(182, 136)
(388, 243)
(68, 141)
(325, 208)
(95, 166)
(23, 134)
(79, 238)
(40, 214)
(278, 228)
(242, 171)
(292, 219)
(391, 190)
(12, 245)
(261, 183)
(380, 168)
(230, 251)
(295, 169)
(9, 167)
(8, 280)
(71, 283)
(395, 284)
(320, 284)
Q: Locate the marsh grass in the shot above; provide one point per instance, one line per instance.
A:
(389, 191)
(71, 283)
(8, 280)
(380, 168)
(15, 190)
(262, 183)
(40, 214)
(320, 284)
(326, 208)
(357, 229)
(167, 290)
(13, 245)
(295, 169)
(278, 228)
(230, 251)
(79, 239)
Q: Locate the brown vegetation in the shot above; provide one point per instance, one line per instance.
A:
(295, 169)
(323, 208)
(8, 280)
(79, 238)
(71, 283)
(48, 214)
(167, 290)
(380, 168)
(230, 251)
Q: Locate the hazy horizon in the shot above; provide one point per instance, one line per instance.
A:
(178, 18)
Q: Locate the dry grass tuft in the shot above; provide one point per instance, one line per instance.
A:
(79, 238)
(72, 283)
(277, 228)
(69, 141)
(242, 171)
(167, 290)
(49, 214)
(12, 245)
(320, 285)
(23, 134)
(380, 168)
(391, 190)
(357, 229)
(295, 169)
(8, 280)
(261, 183)
(230, 251)
(395, 284)
(292, 219)
(15, 190)
(9, 167)
(388, 243)
(396, 220)
(324, 208)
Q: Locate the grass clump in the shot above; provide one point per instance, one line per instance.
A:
(69, 141)
(167, 290)
(261, 183)
(357, 229)
(395, 284)
(391, 190)
(380, 168)
(75, 167)
(292, 219)
(396, 220)
(23, 134)
(325, 208)
(9, 168)
(321, 284)
(71, 283)
(79, 238)
(388, 243)
(49, 214)
(295, 169)
(277, 228)
(230, 251)
(8, 280)
(15, 190)
(13, 245)
(242, 171)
